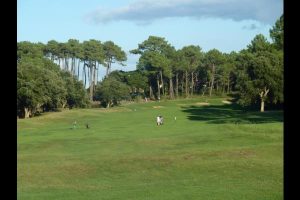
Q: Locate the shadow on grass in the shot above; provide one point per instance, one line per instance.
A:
(221, 114)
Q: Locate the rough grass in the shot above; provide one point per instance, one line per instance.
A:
(218, 151)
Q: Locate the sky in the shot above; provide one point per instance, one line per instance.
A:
(227, 25)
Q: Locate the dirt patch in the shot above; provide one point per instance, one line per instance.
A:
(157, 106)
(182, 104)
(202, 103)
(189, 157)
(162, 161)
(226, 102)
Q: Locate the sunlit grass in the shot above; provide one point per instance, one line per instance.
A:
(215, 151)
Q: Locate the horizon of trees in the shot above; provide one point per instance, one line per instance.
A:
(48, 74)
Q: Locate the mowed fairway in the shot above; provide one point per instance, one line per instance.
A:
(210, 152)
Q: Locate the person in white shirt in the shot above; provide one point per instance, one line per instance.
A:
(158, 120)
(161, 120)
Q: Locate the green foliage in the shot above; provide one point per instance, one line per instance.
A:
(93, 51)
(28, 49)
(192, 57)
(38, 85)
(155, 54)
(154, 44)
(259, 43)
(135, 79)
(213, 56)
(76, 94)
(41, 84)
(155, 60)
(258, 70)
(277, 33)
(113, 53)
(111, 91)
(160, 69)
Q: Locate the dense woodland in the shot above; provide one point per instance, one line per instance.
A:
(59, 75)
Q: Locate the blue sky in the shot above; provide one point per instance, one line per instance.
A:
(227, 25)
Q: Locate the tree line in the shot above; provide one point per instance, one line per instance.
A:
(254, 75)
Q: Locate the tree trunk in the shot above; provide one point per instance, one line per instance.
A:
(195, 85)
(71, 70)
(94, 81)
(97, 72)
(78, 65)
(108, 66)
(59, 62)
(67, 63)
(262, 105)
(171, 88)
(91, 92)
(176, 85)
(73, 67)
(162, 82)
(212, 79)
(84, 73)
(63, 105)
(263, 94)
(228, 84)
(186, 84)
(192, 84)
(223, 87)
(158, 88)
(107, 69)
(150, 92)
(108, 104)
(88, 73)
(182, 84)
(91, 81)
(27, 113)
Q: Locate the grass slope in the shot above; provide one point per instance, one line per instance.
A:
(210, 152)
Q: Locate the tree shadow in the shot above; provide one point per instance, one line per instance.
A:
(233, 113)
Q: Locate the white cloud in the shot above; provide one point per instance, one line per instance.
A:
(147, 11)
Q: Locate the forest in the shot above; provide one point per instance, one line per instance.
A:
(60, 75)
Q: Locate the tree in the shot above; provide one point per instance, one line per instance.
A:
(39, 86)
(191, 56)
(28, 49)
(155, 58)
(76, 94)
(178, 62)
(92, 54)
(137, 82)
(213, 59)
(113, 53)
(276, 33)
(260, 77)
(73, 46)
(111, 91)
(51, 50)
(227, 71)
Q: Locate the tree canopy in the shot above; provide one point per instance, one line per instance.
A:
(55, 75)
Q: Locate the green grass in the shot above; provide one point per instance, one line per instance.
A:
(209, 152)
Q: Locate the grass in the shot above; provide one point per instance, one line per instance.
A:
(211, 152)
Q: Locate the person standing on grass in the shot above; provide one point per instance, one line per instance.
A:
(161, 120)
(158, 120)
